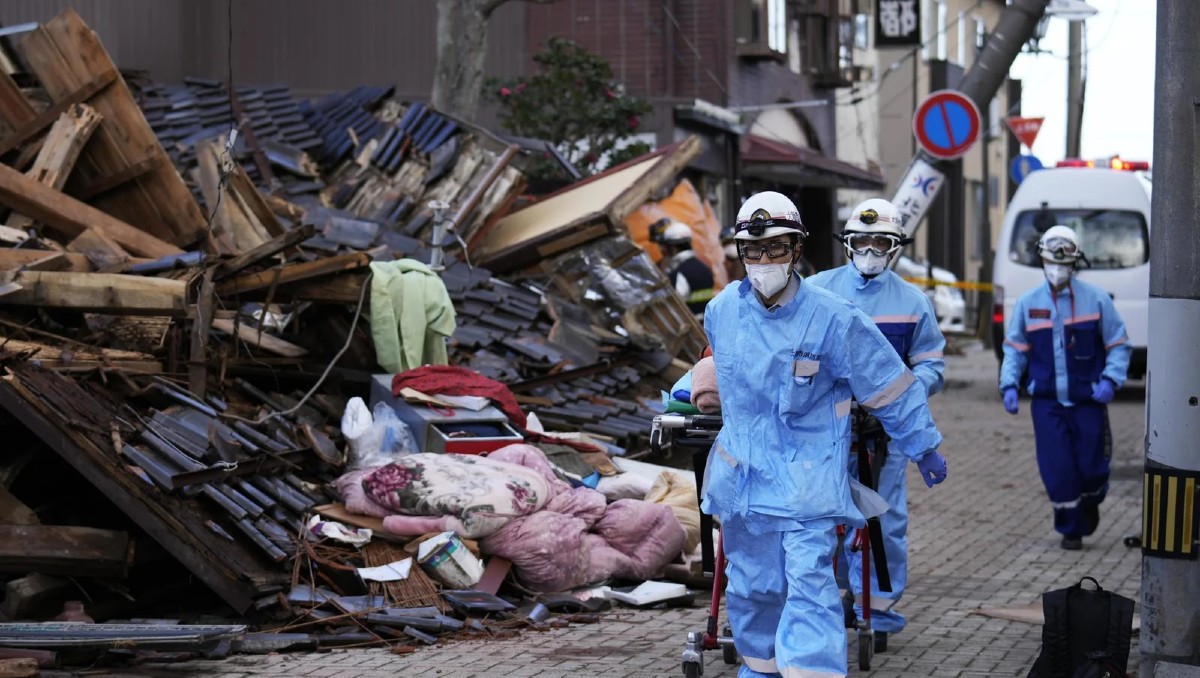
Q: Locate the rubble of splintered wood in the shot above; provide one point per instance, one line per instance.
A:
(183, 316)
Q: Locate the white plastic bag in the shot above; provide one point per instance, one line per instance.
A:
(374, 440)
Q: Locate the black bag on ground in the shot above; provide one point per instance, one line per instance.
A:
(1086, 633)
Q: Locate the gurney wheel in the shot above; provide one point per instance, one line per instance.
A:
(729, 652)
(691, 670)
(866, 650)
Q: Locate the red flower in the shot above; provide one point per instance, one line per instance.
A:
(634, 122)
(610, 94)
(521, 87)
(504, 91)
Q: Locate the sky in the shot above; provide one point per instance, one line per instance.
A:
(1118, 112)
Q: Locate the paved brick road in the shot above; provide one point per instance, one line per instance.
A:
(982, 539)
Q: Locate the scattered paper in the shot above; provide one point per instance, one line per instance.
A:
(391, 572)
(327, 529)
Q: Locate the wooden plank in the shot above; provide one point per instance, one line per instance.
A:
(240, 184)
(105, 184)
(65, 141)
(15, 109)
(60, 106)
(270, 248)
(72, 217)
(202, 320)
(65, 54)
(253, 337)
(233, 231)
(105, 254)
(11, 260)
(293, 273)
(339, 289)
(100, 293)
(49, 353)
(13, 511)
(53, 549)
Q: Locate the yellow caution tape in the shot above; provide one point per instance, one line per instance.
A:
(963, 285)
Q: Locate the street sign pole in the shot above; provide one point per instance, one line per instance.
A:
(1170, 569)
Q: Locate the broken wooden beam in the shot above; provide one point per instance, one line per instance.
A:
(267, 249)
(76, 357)
(15, 109)
(48, 116)
(65, 54)
(58, 154)
(262, 340)
(40, 260)
(100, 293)
(104, 253)
(72, 217)
(201, 321)
(294, 273)
(54, 549)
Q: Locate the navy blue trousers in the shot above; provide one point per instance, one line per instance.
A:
(1074, 447)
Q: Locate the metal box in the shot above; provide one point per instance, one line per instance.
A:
(459, 431)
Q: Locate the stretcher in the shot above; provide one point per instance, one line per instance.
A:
(696, 433)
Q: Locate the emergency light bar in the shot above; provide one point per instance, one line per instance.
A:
(1115, 163)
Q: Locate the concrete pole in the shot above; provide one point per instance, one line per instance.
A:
(1074, 88)
(1171, 582)
(1015, 27)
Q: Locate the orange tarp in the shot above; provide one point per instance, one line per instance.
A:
(684, 205)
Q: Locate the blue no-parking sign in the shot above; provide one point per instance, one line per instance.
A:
(1021, 166)
(946, 124)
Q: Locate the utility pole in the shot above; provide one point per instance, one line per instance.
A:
(1074, 88)
(1170, 569)
(925, 174)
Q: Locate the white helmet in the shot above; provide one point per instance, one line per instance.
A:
(874, 217)
(766, 215)
(1059, 245)
(677, 233)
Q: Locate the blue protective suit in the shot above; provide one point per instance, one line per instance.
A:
(905, 316)
(1068, 341)
(777, 474)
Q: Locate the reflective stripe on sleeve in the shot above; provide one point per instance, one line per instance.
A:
(891, 392)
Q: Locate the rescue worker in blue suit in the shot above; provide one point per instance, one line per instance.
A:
(1070, 337)
(789, 358)
(872, 236)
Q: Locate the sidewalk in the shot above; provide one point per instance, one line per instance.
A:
(981, 539)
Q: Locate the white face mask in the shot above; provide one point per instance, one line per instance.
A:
(768, 279)
(1057, 274)
(870, 263)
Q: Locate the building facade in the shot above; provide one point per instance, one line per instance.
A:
(939, 40)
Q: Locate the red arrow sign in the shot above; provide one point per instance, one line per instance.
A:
(1026, 129)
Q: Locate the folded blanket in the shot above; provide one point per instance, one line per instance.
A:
(704, 387)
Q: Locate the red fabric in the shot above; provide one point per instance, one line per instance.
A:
(455, 380)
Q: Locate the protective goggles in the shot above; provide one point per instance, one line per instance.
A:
(879, 243)
(1060, 249)
(774, 250)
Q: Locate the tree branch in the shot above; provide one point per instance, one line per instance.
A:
(490, 6)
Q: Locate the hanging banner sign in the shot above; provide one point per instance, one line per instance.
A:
(916, 192)
(897, 23)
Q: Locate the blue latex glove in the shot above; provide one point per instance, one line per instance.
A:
(1103, 391)
(933, 468)
(1010, 400)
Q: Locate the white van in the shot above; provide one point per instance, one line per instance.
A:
(1110, 212)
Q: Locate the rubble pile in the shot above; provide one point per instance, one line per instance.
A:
(191, 308)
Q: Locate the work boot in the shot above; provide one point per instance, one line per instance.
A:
(1070, 543)
(880, 641)
(1091, 518)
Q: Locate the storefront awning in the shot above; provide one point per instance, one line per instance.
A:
(782, 162)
